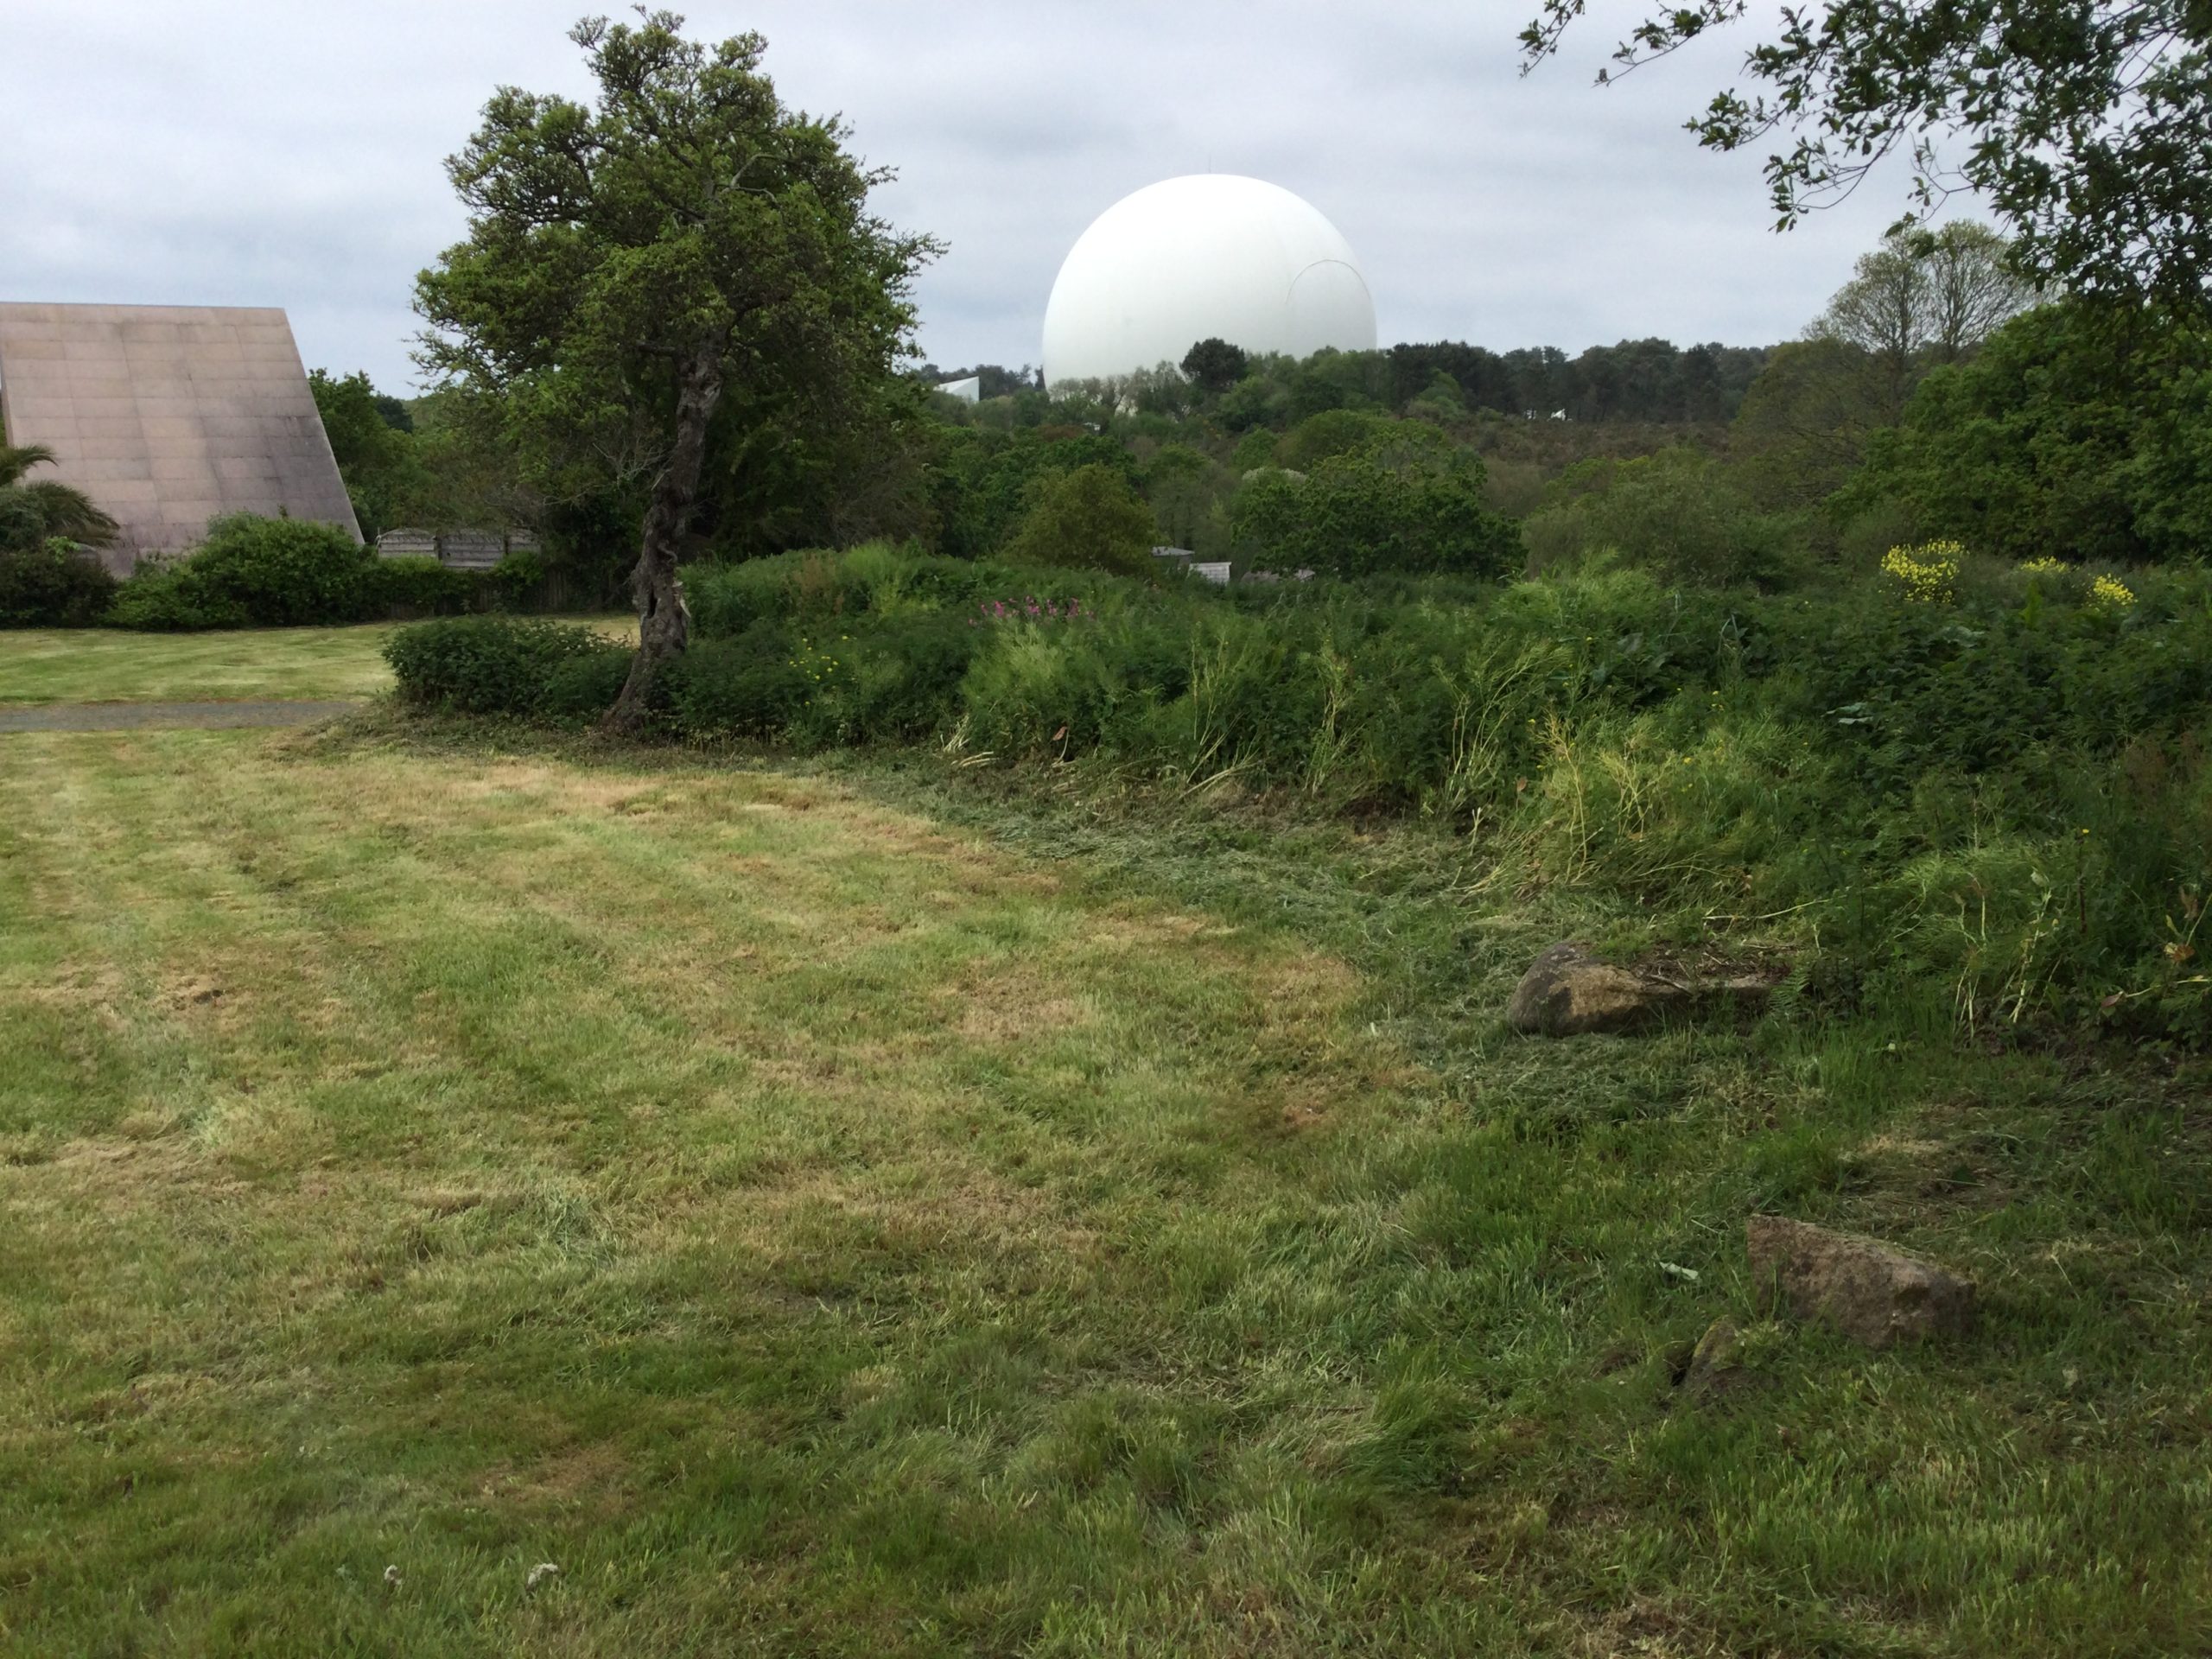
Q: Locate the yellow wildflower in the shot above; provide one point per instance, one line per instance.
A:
(2110, 590)
(1927, 572)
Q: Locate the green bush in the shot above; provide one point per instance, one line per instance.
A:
(55, 584)
(1406, 500)
(887, 680)
(585, 686)
(1089, 519)
(2074, 432)
(1333, 432)
(252, 571)
(1675, 513)
(500, 665)
(422, 587)
(876, 579)
(988, 478)
(161, 597)
(750, 686)
(727, 599)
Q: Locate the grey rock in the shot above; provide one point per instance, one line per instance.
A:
(1567, 992)
(1873, 1294)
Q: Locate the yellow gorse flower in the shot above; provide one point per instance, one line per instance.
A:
(1927, 572)
(2110, 590)
(2045, 566)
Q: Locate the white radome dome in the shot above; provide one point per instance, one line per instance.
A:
(1192, 258)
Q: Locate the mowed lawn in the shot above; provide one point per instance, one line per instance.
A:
(40, 666)
(106, 665)
(811, 1229)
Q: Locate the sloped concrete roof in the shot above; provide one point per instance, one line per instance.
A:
(168, 415)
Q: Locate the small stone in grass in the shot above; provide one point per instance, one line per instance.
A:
(1570, 992)
(539, 1574)
(1873, 1294)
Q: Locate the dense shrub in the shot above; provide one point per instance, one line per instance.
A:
(726, 600)
(1087, 519)
(252, 571)
(420, 586)
(749, 686)
(55, 584)
(879, 680)
(987, 478)
(502, 665)
(1981, 683)
(584, 686)
(1406, 500)
(162, 597)
(2071, 433)
(1675, 513)
(258, 572)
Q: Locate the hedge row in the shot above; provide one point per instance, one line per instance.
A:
(249, 572)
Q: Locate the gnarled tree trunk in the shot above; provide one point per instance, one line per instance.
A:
(663, 623)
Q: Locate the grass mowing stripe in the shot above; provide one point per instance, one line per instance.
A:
(821, 1231)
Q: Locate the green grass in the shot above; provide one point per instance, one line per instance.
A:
(873, 1210)
(106, 665)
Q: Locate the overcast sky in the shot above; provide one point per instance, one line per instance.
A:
(257, 153)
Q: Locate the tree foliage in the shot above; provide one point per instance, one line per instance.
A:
(376, 455)
(2087, 125)
(1214, 365)
(1924, 298)
(1090, 520)
(628, 262)
(2063, 438)
(1407, 499)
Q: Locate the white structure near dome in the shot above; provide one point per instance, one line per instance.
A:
(969, 390)
(1210, 255)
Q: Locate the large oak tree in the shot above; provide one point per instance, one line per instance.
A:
(627, 262)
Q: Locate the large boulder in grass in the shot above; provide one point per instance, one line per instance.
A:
(1873, 1294)
(1567, 992)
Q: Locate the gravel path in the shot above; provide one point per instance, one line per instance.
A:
(134, 717)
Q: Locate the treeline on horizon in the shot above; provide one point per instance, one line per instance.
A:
(1646, 380)
(1939, 394)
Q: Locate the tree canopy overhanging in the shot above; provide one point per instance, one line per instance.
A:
(2086, 125)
